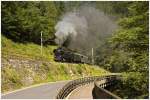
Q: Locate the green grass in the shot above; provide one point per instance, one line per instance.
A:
(30, 50)
(49, 70)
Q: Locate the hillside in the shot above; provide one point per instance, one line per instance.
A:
(114, 34)
(23, 65)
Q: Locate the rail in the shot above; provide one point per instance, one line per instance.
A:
(65, 91)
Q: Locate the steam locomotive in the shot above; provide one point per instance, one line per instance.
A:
(63, 54)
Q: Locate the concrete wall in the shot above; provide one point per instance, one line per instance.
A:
(101, 93)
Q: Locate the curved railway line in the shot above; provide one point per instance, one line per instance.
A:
(99, 82)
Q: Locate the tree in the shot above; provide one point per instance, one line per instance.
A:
(133, 38)
(24, 21)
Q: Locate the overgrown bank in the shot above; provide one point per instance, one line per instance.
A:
(125, 51)
(25, 66)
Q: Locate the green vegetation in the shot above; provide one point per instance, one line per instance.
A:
(132, 81)
(47, 71)
(23, 21)
(126, 51)
(133, 39)
(14, 78)
(28, 50)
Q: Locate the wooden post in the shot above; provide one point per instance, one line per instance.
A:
(41, 43)
(92, 56)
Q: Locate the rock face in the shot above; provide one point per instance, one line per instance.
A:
(15, 62)
(18, 71)
(21, 72)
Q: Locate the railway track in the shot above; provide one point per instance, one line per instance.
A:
(100, 83)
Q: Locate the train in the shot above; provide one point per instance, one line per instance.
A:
(63, 54)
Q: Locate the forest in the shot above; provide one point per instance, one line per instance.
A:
(126, 50)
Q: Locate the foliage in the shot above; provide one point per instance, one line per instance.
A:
(10, 79)
(13, 78)
(17, 77)
(23, 21)
(133, 85)
(117, 8)
(126, 51)
(133, 36)
(29, 50)
(135, 82)
(132, 39)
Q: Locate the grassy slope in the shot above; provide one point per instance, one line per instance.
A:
(54, 71)
(30, 51)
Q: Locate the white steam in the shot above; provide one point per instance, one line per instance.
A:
(69, 26)
(85, 28)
